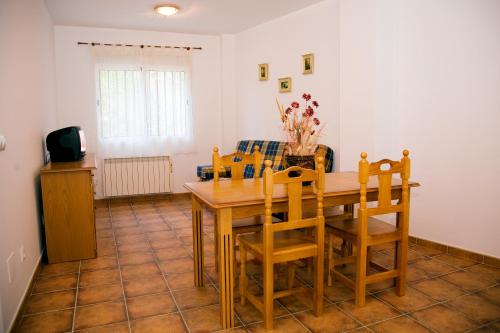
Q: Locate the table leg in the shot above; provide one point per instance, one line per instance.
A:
(198, 260)
(226, 269)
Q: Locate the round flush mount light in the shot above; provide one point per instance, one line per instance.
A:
(166, 10)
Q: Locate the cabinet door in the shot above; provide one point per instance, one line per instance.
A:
(69, 215)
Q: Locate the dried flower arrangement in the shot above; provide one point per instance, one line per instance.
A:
(301, 126)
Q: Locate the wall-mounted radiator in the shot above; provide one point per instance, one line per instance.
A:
(135, 176)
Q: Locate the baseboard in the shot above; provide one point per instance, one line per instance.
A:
(16, 322)
(103, 202)
(481, 258)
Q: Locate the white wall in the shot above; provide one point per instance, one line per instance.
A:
(76, 87)
(27, 113)
(424, 75)
(281, 43)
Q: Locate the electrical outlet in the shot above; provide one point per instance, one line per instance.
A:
(3, 142)
(22, 254)
(10, 268)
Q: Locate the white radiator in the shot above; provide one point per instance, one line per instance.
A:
(134, 176)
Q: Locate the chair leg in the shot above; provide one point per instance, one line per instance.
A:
(360, 289)
(243, 274)
(330, 259)
(319, 268)
(368, 258)
(402, 264)
(216, 243)
(268, 294)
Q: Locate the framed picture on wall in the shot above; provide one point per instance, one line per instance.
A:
(285, 84)
(263, 72)
(308, 63)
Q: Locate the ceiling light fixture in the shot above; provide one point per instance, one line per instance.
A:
(166, 10)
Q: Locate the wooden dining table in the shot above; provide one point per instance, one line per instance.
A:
(233, 199)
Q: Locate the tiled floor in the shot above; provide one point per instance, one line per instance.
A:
(142, 281)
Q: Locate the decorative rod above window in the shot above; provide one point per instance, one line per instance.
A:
(142, 46)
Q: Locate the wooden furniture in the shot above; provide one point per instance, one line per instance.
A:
(234, 199)
(283, 242)
(236, 162)
(366, 231)
(68, 209)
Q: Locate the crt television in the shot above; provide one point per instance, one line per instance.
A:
(66, 144)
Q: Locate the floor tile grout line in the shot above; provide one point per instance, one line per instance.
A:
(76, 296)
(157, 262)
(120, 271)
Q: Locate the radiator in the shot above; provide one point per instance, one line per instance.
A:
(135, 176)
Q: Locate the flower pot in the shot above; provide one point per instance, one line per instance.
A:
(306, 161)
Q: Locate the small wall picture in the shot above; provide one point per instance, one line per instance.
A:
(308, 63)
(285, 84)
(263, 72)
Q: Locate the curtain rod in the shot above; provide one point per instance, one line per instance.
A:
(142, 46)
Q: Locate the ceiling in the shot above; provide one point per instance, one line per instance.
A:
(210, 17)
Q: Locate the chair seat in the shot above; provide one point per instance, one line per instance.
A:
(376, 227)
(288, 245)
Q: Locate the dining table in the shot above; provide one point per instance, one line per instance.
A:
(233, 199)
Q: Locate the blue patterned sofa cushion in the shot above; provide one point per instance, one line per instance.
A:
(271, 150)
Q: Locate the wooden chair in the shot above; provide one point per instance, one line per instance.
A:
(283, 243)
(366, 231)
(237, 162)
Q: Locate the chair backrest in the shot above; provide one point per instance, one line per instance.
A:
(236, 162)
(384, 170)
(293, 178)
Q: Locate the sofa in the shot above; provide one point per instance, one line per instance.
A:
(270, 150)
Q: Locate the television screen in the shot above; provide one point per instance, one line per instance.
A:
(66, 144)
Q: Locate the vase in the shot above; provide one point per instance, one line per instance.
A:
(306, 162)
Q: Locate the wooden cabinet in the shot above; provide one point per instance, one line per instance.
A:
(68, 209)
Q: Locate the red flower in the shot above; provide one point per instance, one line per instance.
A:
(309, 111)
(295, 104)
(316, 121)
(288, 110)
(306, 96)
(315, 104)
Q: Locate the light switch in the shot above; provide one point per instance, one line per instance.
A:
(3, 142)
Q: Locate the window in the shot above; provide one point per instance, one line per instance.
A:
(143, 103)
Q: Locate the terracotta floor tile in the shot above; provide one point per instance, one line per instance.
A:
(145, 286)
(108, 250)
(165, 243)
(100, 277)
(125, 223)
(104, 233)
(171, 253)
(477, 308)
(299, 301)
(280, 325)
(486, 272)
(98, 263)
(128, 231)
(155, 227)
(59, 269)
(426, 251)
(57, 300)
(205, 319)
(411, 301)
(196, 297)
(133, 248)
(99, 314)
(49, 322)
(131, 239)
(338, 292)
(161, 235)
(54, 283)
(98, 294)
(112, 328)
(492, 294)
(373, 311)
(134, 272)
(249, 314)
(171, 323)
(468, 280)
(180, 265)
(434, 267)
(443, 319)
(415, 274)
(331, 321)
(399, 324)
(136, 258)
(438, 289)
(456, 261)
(150, 305)
(180, 281)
